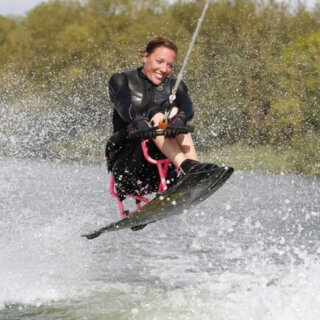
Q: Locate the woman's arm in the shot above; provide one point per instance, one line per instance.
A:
(184, 102)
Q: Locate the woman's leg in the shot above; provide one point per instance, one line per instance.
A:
(171, 149)
(186, 145)
(176, 150)
(185, 141)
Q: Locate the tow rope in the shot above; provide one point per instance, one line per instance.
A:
(172, 97)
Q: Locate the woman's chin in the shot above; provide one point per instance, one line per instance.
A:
(156, 81)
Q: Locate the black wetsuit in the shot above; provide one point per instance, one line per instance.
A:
(133, 94)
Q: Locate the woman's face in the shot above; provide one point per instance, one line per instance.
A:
(158, 64)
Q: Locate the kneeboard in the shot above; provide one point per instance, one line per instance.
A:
(190, 191)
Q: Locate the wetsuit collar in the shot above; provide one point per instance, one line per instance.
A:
(141, 74)
(144, 77)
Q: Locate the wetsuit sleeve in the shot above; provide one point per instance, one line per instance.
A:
(120, 97)
(183, 101)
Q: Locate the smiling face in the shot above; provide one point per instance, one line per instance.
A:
(158, 64)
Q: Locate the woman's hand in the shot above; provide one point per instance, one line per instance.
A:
(176, 125)
(140, 128)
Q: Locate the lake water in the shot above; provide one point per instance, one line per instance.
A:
(251, 251)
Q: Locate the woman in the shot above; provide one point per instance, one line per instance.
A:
(140, 98)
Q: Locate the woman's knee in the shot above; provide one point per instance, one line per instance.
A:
(157, 118)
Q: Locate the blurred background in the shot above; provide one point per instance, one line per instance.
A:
(254, 77)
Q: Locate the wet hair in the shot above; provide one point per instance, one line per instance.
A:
(160, 42)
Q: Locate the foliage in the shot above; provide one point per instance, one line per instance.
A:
(285, 119)
(304, 154)
(300, 76)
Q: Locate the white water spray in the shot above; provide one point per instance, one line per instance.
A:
(250, 252)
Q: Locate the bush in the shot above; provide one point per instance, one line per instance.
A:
(285, 119)
(304, 154)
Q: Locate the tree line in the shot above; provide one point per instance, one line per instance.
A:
(253, 74)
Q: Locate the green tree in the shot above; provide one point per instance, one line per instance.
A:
(300, 76)
(285, 119)
(6, 26)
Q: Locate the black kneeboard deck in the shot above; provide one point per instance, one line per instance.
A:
(190, 191)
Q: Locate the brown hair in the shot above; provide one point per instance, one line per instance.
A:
(160, 42)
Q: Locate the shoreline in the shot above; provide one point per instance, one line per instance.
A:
(265, 159)
(261, 159)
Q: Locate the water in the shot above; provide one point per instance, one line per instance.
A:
(249, 252)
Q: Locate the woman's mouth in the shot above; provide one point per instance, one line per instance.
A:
(159, 76)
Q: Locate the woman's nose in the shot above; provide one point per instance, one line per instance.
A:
(163, 68)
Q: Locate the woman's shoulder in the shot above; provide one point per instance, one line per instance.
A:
(118, 79)
(121, 78)
(182, 86)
